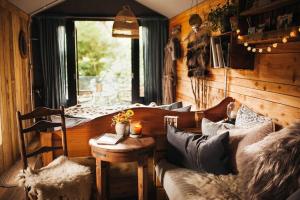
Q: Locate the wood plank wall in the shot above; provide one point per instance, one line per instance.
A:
(15, 85)
(272, 88)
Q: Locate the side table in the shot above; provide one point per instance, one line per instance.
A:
(127, 150)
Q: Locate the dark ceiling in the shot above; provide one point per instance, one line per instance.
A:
(98, 8)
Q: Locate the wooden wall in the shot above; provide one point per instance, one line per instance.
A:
(15, 86)
(272, 88)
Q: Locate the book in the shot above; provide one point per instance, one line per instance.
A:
(214, 52)
(109, 138)
(220, 55)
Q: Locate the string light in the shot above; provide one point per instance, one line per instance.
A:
(269, 48)
(293, 34)
(284, 40)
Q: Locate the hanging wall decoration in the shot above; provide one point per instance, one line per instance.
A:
(197, 59)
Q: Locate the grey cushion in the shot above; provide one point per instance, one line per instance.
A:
(211, 128)
(185, 184)
(171, 106)
(247, 118)
(196, 152)
(183, 109)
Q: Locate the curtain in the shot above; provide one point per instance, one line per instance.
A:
(154, 36)
(53, 50)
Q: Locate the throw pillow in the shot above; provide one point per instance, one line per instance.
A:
(252, 136)
(211, 128)
(272, 170)
(197, 152)
(247, 118)
(176, 105)
(183, 109)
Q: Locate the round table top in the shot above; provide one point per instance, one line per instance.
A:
(127, 144)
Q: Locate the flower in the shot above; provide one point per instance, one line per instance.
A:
(122, 117)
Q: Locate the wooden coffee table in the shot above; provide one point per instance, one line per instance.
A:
(128, 150)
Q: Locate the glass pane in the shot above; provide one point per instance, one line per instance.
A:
(104, 65)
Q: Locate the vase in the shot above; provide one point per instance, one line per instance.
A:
(122, 128)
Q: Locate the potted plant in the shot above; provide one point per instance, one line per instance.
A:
(121, 122)
(219, 18)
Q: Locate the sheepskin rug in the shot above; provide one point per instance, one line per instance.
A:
(61, 179)
(274, 170)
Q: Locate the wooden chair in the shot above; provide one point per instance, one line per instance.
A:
(41, 124)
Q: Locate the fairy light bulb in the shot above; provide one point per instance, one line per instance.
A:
(249, 48)
(254, 50)
(275, 45)
(299, 29)
(238, 31)
(245, 44)
(269, 49)
(240, 37)
(284, 40)
(260, 50)
(293, 34)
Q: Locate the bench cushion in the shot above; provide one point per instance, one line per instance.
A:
(185, 184)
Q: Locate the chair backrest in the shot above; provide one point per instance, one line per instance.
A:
(40, 116)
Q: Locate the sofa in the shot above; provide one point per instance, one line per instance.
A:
(250, 176)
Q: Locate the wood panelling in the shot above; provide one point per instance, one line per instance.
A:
(15, 85)
(272, 88)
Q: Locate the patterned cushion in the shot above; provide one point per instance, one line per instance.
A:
(185, 184)
(211, 128)
(247, 118)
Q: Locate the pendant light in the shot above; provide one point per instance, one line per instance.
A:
(125, 24)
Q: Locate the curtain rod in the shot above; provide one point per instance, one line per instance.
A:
(95, 17)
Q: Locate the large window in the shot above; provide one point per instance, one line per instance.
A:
(104, 64)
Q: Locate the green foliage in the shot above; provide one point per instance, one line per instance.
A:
(216, 16)
(97, 50)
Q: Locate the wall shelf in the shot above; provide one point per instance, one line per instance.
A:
(269, 7)
(269, 36)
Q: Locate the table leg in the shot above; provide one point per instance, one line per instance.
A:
(102, 170)
(143, 178)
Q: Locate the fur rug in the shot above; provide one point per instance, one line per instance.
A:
(61, 179)
(273, 172)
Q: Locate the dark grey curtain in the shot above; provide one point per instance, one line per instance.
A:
(52, 35)
(154, 36)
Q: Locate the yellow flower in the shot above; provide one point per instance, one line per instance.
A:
(129, 113)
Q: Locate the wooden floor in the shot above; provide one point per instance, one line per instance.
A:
(8, 179)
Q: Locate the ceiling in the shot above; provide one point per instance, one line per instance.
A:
(168, 8)
(35, 5)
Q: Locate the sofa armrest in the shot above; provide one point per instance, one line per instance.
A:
(219, 111)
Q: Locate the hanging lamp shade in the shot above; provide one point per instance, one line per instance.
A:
(125, 24)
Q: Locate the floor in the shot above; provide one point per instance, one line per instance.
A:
(8, 179)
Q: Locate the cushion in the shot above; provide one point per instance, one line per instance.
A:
(186, 184)
(171, 106)
(176, 105)
(183, 109)
(251, 135)
(273, 171)
(211, 128)
(247, 118)
(196, 152)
